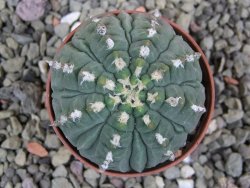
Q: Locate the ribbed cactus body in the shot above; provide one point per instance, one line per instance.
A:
(127, 91)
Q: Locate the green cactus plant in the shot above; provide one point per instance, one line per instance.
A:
(127, 91)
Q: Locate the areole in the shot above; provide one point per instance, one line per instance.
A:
(201, 128)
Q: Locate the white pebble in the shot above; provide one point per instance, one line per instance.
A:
(187, 171)
(185, 183)
(159, 182)
(70, 18)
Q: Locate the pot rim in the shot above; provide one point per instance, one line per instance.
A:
(203, 124)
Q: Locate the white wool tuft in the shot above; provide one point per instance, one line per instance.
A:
(117, 99)
(197, 108)
(116, 140)
(97, 106)
(138, 71)
(151, 32)
(110, 43)
(146, 119)
(190, 58)
(108, 159)
(76, 114)
(119, 63)
(57, 65)
(123, 118)
(151, 97)
(87, 76)
(110, 85)
(173, 101)
(95, 20)
(177, 63)
(170, 154)
(156, 75)
(63, 119)
(144, 51)
(154, 23)
(160, 139)
(101, 30)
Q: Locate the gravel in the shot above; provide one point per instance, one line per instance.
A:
(31, 34)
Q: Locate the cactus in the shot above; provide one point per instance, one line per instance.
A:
(127, 91)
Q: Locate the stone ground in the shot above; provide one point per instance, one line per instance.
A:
(221, 27)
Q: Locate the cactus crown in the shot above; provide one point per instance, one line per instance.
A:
(127, 91)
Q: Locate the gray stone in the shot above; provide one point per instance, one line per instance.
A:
(244, 181)
(184, 20)
(11, 43)
(13, 65)
(61, 30)
(33, 51)
(2, 4)
(187, 7)
(16, 126)
(76, 168)
(172, 173)
(6, 52)
(91, 177)
(28, 182)
(199, 170)
(74, 181)
(13, 143)
(20, 158)
(200, 183)
(38, 25)
(130, 183)
(244, 150)
(45, 183)
(61, 183)
(226, 140)
(185, 183)
(187, 171)
(159, 182)
(43, 42)
(225, 18)
(52, 141)
(32, 169)
(228, 32)
(96, 11)
(3, 155)
(149, 182)
(60, 171)
(220, 44)
(233, 103)
(241, 135)
(62, 156)
(207, 43)
(246, 49)
(212, 24)
(28, 131)
(150, 4)
(234, 164)
(22, 39)
(160, 4)
(75, 5)
(22, 173)
(233, 115)
(6, 114)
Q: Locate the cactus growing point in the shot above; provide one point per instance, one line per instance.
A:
(127, 91)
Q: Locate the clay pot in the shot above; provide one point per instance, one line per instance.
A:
(193, 141)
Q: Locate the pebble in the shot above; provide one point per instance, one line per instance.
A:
(6, 52)
(13, 65)
(28, 182)
(61, 29)
(13, 143)
(75, 5)
(246, 49)
(91, 177)
(52, 141)
(234, 164)
(150, 4)
(187, 7)
(20, 158)
(6, 114)
(11, 43)
(29, 10)
(184, 20)
(33, 51)
(226, 140)
(76, 168)
(60, 171)
(160, 4)
(62, 156)
(207, 43)
(149, 182)
(244, 181)
(159, 182)
(2, 4)
(3, 155)
(244, 150)
(172, 173)
(16, 126)
(130, 183)
(22, 39)
(37, 149)
(187, 171)
(60, 183)
(233, 115)
(185, 183)
(42, 44)
(70, 18)
(212, 126)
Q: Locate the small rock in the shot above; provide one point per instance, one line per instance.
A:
(32, 169)
(6, 52)
(246, 49)
(233, 115)
(160, 4)
(226, 140)
(244, 181)
(11, 43)
(185, 183)
(207, 43)
(45, 183)
(13, 143)
(187, 171)
(75, 6)
(199, 170)
(117, 182)
(220, 44)
(60, 183)
(91, 177)
(22, 39)
(52, 141)
(6, 114)
(43, 42)
(149, 182)
(234, 164)
(61, 29)
(37, 149)
(212, 126)
(28, 183)
(159, 182)
(60, 171)
(43, 67)
(187, 7)
(3, 155)
(2, 4)
(130, 183)
(62, 156)
(15, 126)
(13, 65)
(244, 150)
(184, 20)
(150, 4)
(172, 173)
(76, 168)
(28, 10)
(74, 181)
(20, 158)
(70, 18)
(33, 51)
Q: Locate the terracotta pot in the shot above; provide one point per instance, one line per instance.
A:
(180, 155)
